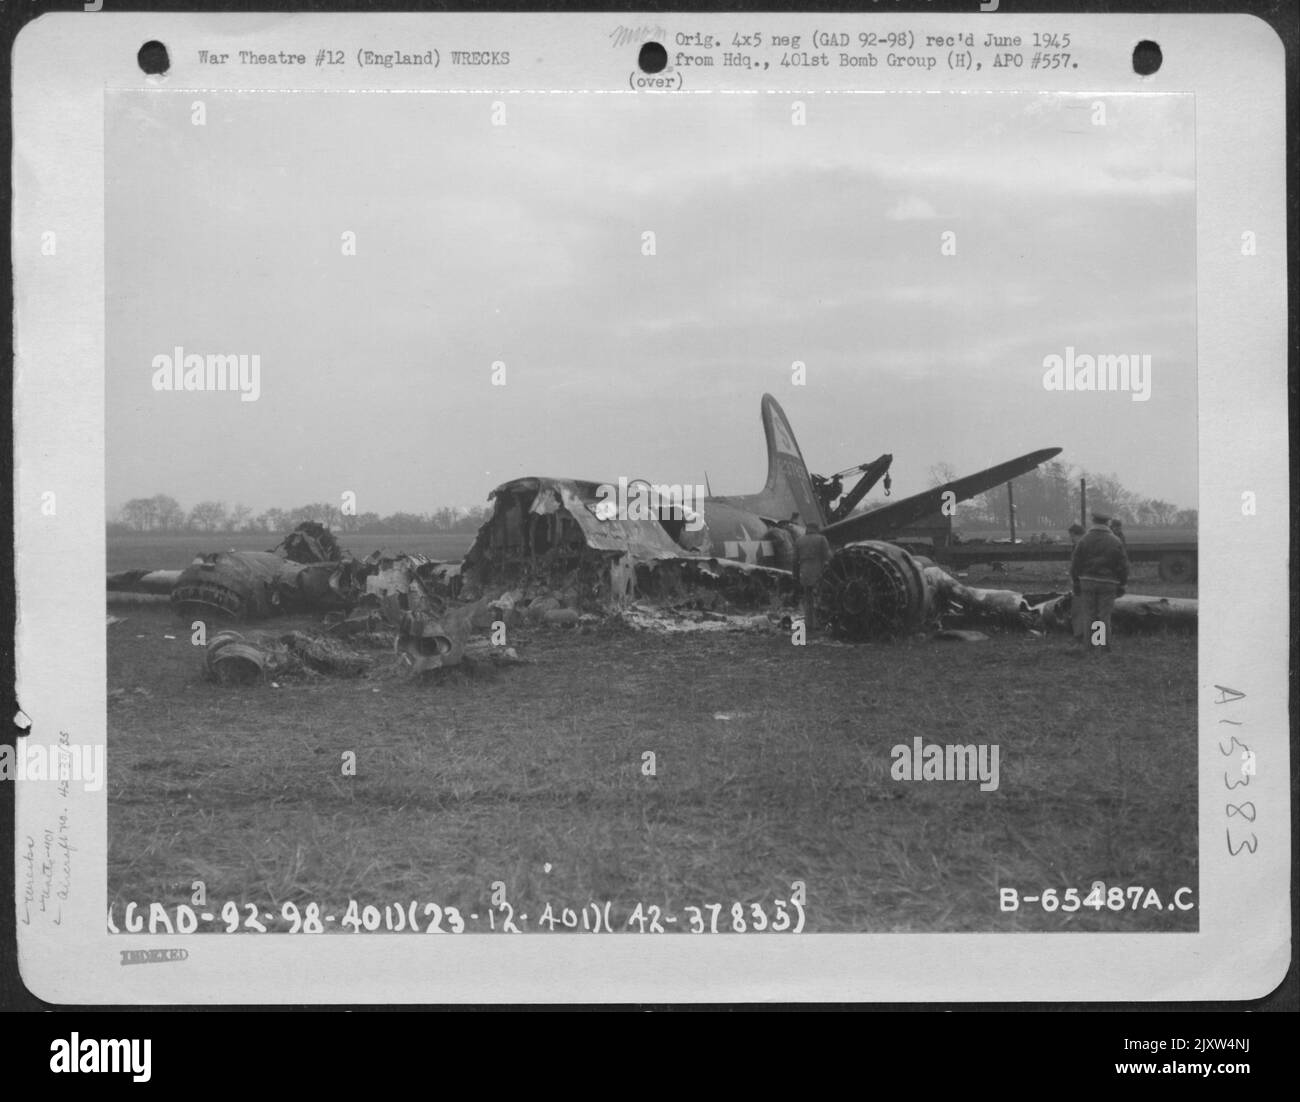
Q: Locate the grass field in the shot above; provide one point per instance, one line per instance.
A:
(465, 780)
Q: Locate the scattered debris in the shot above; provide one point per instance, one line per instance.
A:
(121, 696)
(235, 659)
(874, 590)
(668, 621)
(307, 571)
(421, 641)
(1134, 612)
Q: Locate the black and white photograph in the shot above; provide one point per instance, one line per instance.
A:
(462, 435)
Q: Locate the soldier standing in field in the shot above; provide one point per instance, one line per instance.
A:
(812, 551)
(1099, 572)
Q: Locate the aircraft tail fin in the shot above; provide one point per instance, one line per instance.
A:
(789, 488)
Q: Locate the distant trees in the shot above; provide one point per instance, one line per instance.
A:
(237, 519)
(161, 513)
(273, 520)
(1048, 498)
(207, 516)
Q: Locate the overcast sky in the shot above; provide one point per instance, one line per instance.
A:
(523, 244)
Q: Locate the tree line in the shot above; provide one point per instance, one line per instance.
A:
(1048, 498)
(162, 513)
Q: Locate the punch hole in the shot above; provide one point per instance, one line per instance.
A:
(1146, 57)
(153, 58)
(652, 58)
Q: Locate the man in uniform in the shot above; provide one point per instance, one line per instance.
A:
(1099, 572)
(812, 551)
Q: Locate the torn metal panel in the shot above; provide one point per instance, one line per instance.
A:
(957, 601)
(553, 533)
(310, 542)
(534, 517)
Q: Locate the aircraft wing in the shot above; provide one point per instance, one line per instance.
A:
(880, 523)
(143, 581)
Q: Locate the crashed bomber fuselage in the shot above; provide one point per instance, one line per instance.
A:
(545, 516)
(546, 524)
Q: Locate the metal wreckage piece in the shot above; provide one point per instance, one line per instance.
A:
(307, 572)
(545, 554)
(545, 536)
(873, 590)
(429, 640)
(1134, 612)
(232, 658)
(422, 640)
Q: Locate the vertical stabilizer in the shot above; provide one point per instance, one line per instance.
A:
(789, 489)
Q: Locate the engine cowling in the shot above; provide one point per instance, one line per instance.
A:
(874, 590)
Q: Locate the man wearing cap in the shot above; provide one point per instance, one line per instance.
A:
(1117, 526)
(1098, 573)
(812, 551)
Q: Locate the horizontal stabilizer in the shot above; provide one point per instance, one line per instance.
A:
(880, 523)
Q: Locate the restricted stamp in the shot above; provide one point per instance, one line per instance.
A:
(396, 377)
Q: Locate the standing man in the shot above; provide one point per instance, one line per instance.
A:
(812, 551)
(1117, 526)
(1098, 572)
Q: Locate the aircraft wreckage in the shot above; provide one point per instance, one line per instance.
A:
(560, 546)
(874, 590)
